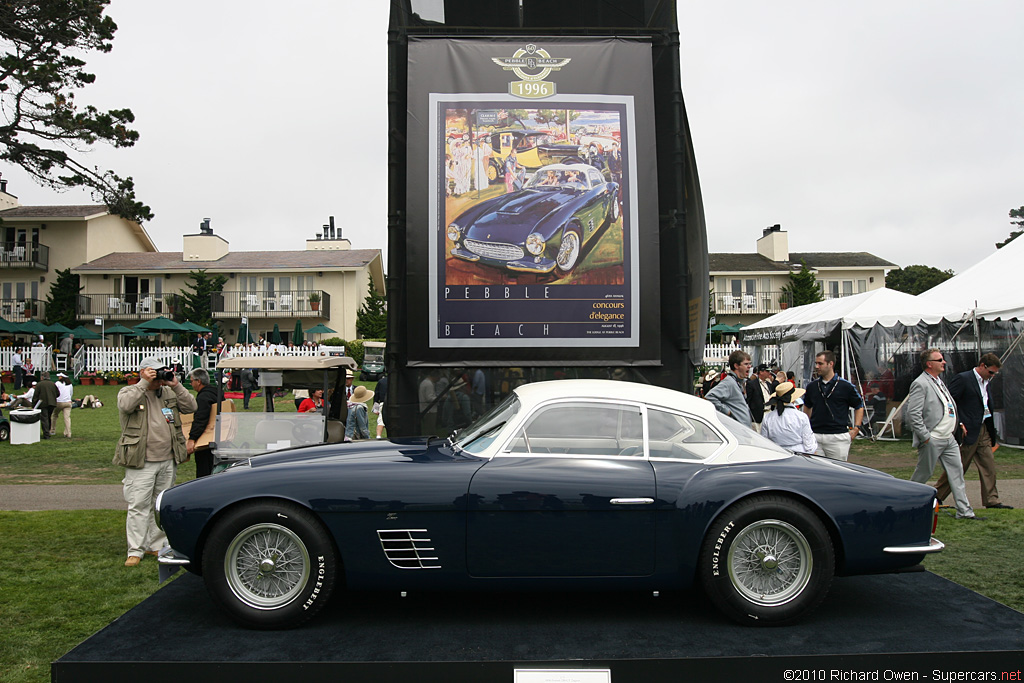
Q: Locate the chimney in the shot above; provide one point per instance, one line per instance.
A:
(205, 246)
(332, 239)
(7, 201)
(774, 244)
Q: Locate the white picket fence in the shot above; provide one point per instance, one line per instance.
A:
(715, 354)
(41, 357)
(126, 359)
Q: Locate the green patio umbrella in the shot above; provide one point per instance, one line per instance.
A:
(57, 327)
(320, 328)
(161, 324)
(193, 327)
(82, 332)
(244, 337)
(298, 336)
(275, 336)
(33, 327)
(722, 327)
(118, 329)
(8, 326)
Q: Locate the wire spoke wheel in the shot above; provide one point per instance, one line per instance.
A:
(568, 251)
(266, 566)
(770, 562)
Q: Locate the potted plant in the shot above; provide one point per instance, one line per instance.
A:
(88, 377)
(131, 377)
(113, 378)
(314, 300)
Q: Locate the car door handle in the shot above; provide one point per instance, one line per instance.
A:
(632, 501)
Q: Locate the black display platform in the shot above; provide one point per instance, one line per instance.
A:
(882, 625)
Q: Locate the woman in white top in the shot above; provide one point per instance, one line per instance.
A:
(786, 424)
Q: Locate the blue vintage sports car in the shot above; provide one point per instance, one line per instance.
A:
(541, 228)
(574, 484)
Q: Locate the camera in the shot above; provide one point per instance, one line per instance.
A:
(165, 375)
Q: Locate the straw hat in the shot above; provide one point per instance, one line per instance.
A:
(361, 395)
(785, 388)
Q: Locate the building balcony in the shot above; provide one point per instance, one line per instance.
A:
(130, 307)
(294, 304)
(20, 255)
(22, 310)
(759, 303)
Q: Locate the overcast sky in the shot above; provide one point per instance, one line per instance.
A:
(893, 127)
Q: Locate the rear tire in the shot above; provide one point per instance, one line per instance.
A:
(270, 565)
(767, 560)
(5, 432)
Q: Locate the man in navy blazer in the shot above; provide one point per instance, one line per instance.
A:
(971, 393)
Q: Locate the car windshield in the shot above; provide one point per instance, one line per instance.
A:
(562, 177)
(747, 436)
(479, 435)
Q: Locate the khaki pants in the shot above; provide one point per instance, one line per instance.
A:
(61, 408)
(835, 446)
(980, 453)
(141, 487)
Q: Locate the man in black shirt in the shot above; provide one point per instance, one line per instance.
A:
(828, 402)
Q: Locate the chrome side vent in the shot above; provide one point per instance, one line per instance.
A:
(408, 548)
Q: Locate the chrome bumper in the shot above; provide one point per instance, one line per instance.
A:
(170, 562)
(934, 546)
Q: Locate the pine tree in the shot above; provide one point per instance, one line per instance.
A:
(42, 127)
(802, 288)
(62, 301)
(372, 318)
(195, 304)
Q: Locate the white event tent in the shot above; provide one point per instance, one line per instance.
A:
(987, 286)
(878, 335)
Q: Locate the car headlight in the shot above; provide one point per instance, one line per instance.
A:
(453, 232)
(535, 244)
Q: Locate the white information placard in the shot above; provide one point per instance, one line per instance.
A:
(563, 676)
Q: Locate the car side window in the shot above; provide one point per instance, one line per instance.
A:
(680, 437)
(595, 178)
(582, 428)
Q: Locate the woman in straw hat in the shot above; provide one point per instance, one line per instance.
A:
(357, 425)
(786, 424)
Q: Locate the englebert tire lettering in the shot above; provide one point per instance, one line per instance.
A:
(271, 564)
(319, 583)
(767, 559)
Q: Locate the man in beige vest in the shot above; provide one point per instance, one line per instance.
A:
(150, 448)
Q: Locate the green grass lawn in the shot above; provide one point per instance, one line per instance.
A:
(85, 458)
(64, 577)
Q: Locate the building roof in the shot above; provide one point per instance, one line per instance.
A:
(729, 263)
(81, 211)
(234, 261)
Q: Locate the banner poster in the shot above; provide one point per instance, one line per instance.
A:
(533, 213)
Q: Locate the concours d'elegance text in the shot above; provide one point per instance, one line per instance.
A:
(898, 675)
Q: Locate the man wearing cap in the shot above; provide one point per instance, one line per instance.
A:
(150, 448)
(65, 390)
(45, 399)
(760, 390)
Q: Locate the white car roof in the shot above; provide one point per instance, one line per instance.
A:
(538, 392)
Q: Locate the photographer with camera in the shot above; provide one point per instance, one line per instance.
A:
(150, 448)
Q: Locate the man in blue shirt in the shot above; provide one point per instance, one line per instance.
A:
(828, 402)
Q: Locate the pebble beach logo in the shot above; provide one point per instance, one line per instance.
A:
(532, 65)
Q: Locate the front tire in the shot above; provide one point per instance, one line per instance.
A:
(5, 432)
(767, 560)
(569, 250)
(270, 565)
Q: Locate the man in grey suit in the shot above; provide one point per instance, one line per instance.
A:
(931, 414)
